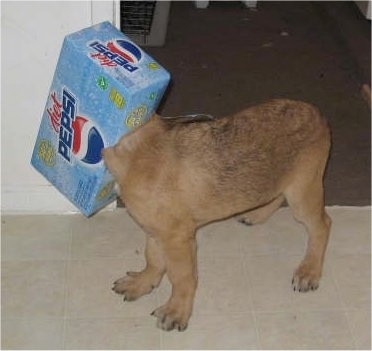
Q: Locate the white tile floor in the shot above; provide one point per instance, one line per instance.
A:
(57, 273)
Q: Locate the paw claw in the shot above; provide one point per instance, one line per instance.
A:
(245, 221)
(169, 318)
(305, 278)
(134, 285)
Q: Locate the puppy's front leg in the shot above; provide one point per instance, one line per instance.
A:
(136, 284)
(180, 256)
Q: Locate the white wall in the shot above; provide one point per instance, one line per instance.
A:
(32, 35)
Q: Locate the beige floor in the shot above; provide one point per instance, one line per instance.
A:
(57, 273)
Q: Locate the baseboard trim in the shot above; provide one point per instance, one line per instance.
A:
(43, 199)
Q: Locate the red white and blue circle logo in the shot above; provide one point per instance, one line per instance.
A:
(125, 49)
(88, 142)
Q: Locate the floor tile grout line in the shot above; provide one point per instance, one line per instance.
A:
(299, 310)
(257, 330)
(116, 318)
(351, 329)
(344, 304)
(66, 290)
(251, 302)
(205, 257)
(290, 310)
(103, 258)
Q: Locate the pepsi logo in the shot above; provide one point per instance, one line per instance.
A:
(125, 49)
(117, 52)
(77, 135)
(88, 142)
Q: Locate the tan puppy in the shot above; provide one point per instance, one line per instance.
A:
(177, 174)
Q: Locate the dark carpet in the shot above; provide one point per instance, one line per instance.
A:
(227, 57)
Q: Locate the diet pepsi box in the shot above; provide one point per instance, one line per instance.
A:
(104, 86)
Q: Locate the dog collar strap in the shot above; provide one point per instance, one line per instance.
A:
(193, 117)
(200, 116)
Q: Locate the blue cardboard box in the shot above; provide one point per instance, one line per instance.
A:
(103, 87)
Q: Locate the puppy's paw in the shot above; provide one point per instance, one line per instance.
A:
(134, 285)
(170, 317)
(306, 277)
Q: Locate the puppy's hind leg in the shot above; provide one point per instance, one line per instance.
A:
(136, 284)
(261, 214)
(306, 199)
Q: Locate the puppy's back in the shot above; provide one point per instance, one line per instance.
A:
(273, 129)
(248, 154)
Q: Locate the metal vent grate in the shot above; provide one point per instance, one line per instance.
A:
(145, 22)
(136, 16)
